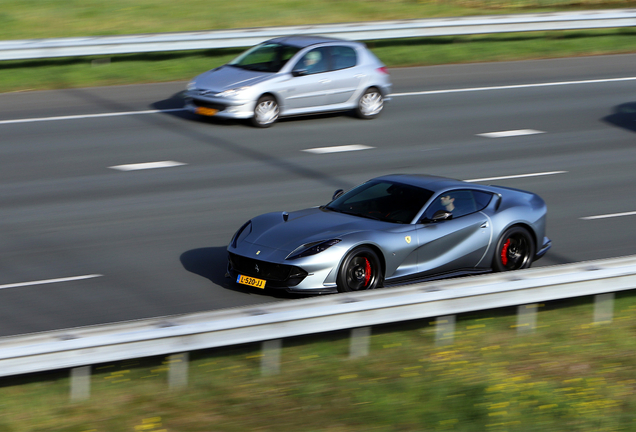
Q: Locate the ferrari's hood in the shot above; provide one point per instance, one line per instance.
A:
(305, 226)
(229, 77)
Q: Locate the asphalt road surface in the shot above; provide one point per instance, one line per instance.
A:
(84, 243)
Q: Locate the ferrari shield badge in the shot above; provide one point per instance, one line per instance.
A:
(408, 239)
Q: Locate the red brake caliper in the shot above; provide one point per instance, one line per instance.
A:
(504, 252)
(367, 272)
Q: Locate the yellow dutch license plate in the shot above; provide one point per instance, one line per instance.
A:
(250, 281)
(206, 111)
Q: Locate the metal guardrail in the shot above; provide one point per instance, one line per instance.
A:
(144, 43)
(77, 347)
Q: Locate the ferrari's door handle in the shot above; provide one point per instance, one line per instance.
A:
(484, 225)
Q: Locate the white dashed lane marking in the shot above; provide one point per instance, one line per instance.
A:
(147, 165)
(510, 133)
(611, 215)
(338, 149)
(516, 176)
(50, 281)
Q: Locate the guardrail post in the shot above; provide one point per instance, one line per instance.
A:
(604, 308)
(445, 330)
(178, 371)
(270, 361)
(526, 318)
(359, 342)
(80, 383)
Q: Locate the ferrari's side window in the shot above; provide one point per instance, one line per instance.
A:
(482, 199)
(456, 202)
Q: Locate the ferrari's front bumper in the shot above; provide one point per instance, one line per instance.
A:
(294, 279)
(547, 244)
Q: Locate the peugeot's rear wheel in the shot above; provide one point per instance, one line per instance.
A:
(266, 112)
(360, 270)
(515, 250)
(370, 104)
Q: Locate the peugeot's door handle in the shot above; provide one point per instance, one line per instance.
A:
(484, 225)
(325, 81)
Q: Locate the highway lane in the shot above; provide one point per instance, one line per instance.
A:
(157, 237)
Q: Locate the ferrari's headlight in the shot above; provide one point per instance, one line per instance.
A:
(232, 92)
(313, 248)
(241, 233)
(191, 86)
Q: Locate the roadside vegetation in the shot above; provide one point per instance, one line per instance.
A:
(569, 375)
(20, 19)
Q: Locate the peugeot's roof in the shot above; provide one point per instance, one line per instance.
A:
(302, 41)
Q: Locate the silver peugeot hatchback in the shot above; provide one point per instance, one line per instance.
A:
(290, 76)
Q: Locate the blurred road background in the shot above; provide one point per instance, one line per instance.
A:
(157, 237)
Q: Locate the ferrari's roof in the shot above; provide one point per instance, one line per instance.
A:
(430, 182)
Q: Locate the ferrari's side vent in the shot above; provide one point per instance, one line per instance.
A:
(498, 202)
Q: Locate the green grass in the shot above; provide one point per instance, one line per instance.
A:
(163, 67)
(29, 19)
(56, 18)
(570, 375)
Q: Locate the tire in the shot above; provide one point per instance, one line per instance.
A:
(360, 270)
(370, 104)
(266, 112)
(515, 250)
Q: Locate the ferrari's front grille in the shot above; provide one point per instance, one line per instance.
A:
(285, 274)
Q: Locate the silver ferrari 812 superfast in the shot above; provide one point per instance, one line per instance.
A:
(391, 230)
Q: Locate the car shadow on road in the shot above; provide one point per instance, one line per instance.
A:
(624, 116)
(174, 106)
(211, 263)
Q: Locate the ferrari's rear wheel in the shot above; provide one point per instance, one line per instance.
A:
(360, 270)
(515, 250)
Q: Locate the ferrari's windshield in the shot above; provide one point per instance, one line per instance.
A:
(383, 200)
(267, 57)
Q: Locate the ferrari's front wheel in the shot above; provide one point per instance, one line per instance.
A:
(360, 270)
(515, 250)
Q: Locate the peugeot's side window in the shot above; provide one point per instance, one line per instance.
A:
(313, 62)
(343, 57)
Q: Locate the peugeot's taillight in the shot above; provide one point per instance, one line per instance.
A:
(383, 70)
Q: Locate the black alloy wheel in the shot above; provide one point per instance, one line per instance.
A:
(360, 270)
(515, 250)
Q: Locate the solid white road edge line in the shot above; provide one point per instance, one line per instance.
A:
(607, 216)
(516, 176)
(147, 165)
(337, 149)
(87, 116)
(510, 87)
(510, 133)
(422, 93)
(50, 281)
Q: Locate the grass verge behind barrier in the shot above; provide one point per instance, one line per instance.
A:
(177, 66)
(35, 19)
(569, 375)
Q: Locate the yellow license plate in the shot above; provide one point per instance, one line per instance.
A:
(206, 111)
(253, 282)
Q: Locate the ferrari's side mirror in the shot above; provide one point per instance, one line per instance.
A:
(337, 194)
(441, 215)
